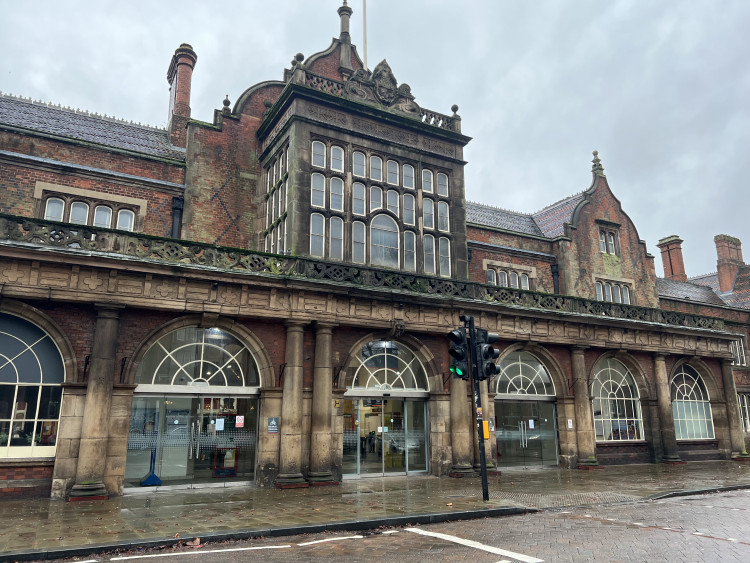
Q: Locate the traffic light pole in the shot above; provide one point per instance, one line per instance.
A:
(478, 406)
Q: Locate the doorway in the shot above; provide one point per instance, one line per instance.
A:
(526, 433)
(185, 440)
(384, 437)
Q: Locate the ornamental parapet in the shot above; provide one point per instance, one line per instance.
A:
(167, 251)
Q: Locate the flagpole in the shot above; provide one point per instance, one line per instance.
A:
(364, 30)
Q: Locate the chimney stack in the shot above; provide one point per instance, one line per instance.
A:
(180, 76)
(671, 258)
(728, 260)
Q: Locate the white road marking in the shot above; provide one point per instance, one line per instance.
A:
(198, 552)
(476, 545)
(332, 539)
(390, 532)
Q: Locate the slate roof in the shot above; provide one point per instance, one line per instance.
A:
(740, 294)
(551, 219)
(501, 219)
(83, 126)
(687, 290)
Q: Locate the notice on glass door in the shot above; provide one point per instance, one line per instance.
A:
(219, 424)
(531, 423)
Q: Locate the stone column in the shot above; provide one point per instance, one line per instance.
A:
(320, 435)
(584, 420)
(290, 456)
(92, 453)
(664, 405)
(736, 433)
(462, 442)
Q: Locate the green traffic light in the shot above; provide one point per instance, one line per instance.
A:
(457, 371)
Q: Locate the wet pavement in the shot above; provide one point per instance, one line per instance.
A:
(41, 528)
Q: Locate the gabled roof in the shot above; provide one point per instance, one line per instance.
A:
(83, 126)
(686, 290)
(740, 294)
(551, 219)
(501, 219)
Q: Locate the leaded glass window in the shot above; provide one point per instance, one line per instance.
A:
(385, 365)
(521, 373)
(691, 408)
(616, 403)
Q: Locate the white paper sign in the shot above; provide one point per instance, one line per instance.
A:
(380, 429)
(531, 423)
(570, 423)
(219, 424)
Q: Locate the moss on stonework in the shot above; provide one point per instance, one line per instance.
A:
(612, 265)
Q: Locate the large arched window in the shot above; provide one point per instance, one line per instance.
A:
(384, 242)
(31, 374)
(385, 365)
(691, 408)
(521, 373)
(616, 402)
(198, 357)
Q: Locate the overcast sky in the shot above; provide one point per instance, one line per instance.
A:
(661, 89)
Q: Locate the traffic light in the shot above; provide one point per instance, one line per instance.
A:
(486, 354)
(459, 352)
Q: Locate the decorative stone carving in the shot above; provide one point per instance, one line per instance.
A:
(381, 87)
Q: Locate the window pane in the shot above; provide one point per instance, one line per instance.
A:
(408, 176)
(337, 194)
(358, 164)
(336, 249)
(524, 281)
(408, 209)
(443, 216)
(318, 154)
(428, 214)
(125, 220)
(502, 279)
(392, 201)
(317, 235)
(608, 292)
(410, 253)
(318, 191)
(79, 213)
(442, 180)
(337, 159)
(392, 172)
(103, 217)
(599, 293)
(602, 241)
(625, 295)
(427, 181)
(358, 242)
(358, 198)
(376, 198)
(384, 242)
(376, 168)
(27, 398)
(444, 245)
(616, 294)
(54, 210)
(491, 277)
(513, 279)
(429, 254)
(49, 405)
(611, 243)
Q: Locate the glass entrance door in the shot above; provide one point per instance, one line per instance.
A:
(182, 440)
(526, 433)
(384, 436)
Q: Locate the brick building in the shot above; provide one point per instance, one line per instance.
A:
(265, 298)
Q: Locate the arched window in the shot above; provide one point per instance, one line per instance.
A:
(198, 357)
(427, 181)
(502, 278)
(410, 251)
(31, 374)
(608, 292)
(429, 254)
(358, 164)
(616, 293)
(408, 176)
(513, 279)
(318, 154)
(376, 198)
(103, 216)
(444, 254)
(337, 194)
(428, 214)
(691, 408)
(392, 202)
(54, 209)
(599, 291)
(317, 235)
(521, 373)
(385, 365)
(442, 184)
(125, 220)
(392, 171)
(358, 242)
(491, 277)
(79, 213)
(524, 281)
(443, 221)
(616, 403)
(318, 191)
(359, 203)
(409, 206)
(376, 168)
(337, 159)
(384, 242)
(336, 239)
(625, 295)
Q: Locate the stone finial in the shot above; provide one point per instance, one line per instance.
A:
(345, 13)
(226, 102)
(597, 168)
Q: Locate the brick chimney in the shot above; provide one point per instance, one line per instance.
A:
(728, 260)
(179, 76)
(671, 258)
